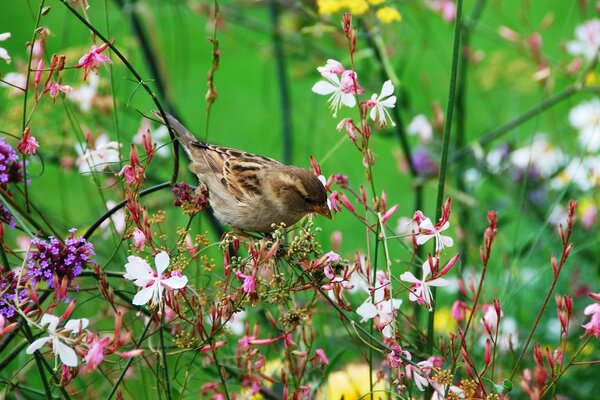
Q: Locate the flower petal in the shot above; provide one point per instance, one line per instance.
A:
(387, 89)
(143, 296)
(162, 261)
(324, 88)
(409, 277)
(175, 282)
(74, 325)
(36, 345)
(67, 355)
(367, 311)
(138, 270)
(51, 321)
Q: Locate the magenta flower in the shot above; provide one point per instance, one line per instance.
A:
(249, 285)
(28, 144)
(54, 88)
(92, 60)
(95, 353)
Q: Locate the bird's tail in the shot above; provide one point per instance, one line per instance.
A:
(185, 137)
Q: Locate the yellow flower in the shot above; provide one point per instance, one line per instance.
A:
(375, 2)
(352, 383)
(591, 79)
(357, 7)
(443, 322)
(388, 14)
(327, 7)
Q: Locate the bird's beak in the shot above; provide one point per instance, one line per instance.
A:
(323, 210)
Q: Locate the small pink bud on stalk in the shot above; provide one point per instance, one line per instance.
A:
(147, 143)
(65, 316)
(346, 202)
(130, 353)
(389, 213)
(549, 358)
(488, 348)
(315, 166)
(214, 346)
(38, 77)
(449, 265)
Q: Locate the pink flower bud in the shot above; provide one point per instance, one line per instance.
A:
(139, 239)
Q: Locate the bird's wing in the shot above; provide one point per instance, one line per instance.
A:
(238, 171)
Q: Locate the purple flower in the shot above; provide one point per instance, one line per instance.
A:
(10, 293)
(11, 170)
(423, 162)
(6, 216)
(55, 258)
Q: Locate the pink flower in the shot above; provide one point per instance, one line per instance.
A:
(139, 239)
(95, 353)
(459, 310)
(593, 327)
(92, 60)
(343, 91)
(28, 144)
(332, 67)
(55, 87)
(249, 285)
(320, 355)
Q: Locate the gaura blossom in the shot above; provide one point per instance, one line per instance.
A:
(384, 310)
(54, 88)
(95, 353)
(381, 102)
(428, 231)
(332, 67)
(59, 347)
(99, 156)
(342, 89)
(420, 126)
(593, 310)
(93, 59)
(3, 53)
(419, 373)
(153, 283)
(587, 42)
(586, 119)
(28, 144)
(421, 292)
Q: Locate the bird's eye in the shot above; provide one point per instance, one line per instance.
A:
(306, 199)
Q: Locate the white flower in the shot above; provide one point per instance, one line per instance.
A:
(587, 40)
(420, 127)
(153, 283)
(384, 310)
(381, 102)
(428, 231)
(98, 157)
(66, 354)
(418, 374)
(84, 95)
(237, 323)
(3, 53)
(15, 81)
(118, 219)
(583, 173)
(540, 154)
(440, 391)
(586, 119)
(421, 292)
(342, 90)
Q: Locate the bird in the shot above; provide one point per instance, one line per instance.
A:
(250, 192)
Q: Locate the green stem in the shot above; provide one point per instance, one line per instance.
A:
(129, 361)
(164, 357)
(445, 146)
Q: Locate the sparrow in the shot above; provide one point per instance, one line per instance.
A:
(250, 192)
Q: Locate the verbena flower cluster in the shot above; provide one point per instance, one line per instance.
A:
(55, 258)
(11, 170)
(10, 293)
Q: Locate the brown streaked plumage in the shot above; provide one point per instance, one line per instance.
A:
(251, 192)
